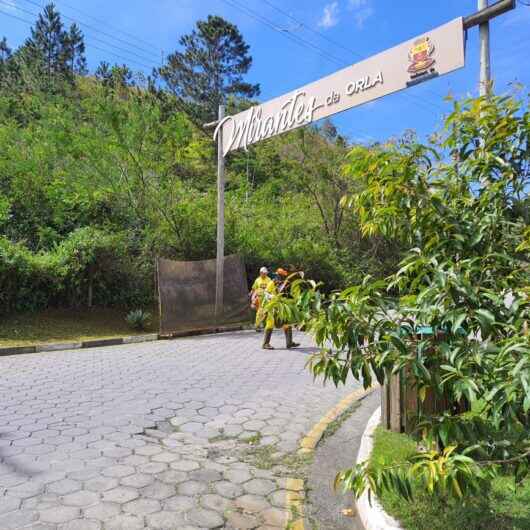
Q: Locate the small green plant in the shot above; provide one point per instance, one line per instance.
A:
(138, 319)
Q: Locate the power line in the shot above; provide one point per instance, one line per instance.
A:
(30, 24)
(149, 66)
(295, 38)
(101, 21)
(304, 42)
(92, 28)
(329, 39)
(309, 28)
(15, 17)
(121, 57)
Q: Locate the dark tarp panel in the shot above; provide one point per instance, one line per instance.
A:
(186, 292)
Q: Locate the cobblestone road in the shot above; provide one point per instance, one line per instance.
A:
(169, 435)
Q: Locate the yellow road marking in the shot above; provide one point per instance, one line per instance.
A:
(294, 501)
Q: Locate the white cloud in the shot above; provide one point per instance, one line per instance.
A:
(330, 17)
(362, 11)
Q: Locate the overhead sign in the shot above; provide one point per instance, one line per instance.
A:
(430, 55)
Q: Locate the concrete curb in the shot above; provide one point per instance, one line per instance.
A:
(133, 339)
(294, 503)
(372, 516)
(310, 441)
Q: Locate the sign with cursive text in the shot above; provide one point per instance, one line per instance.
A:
(432, 54)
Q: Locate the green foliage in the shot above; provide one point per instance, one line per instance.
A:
(49, 60)
(114, 76)
(209, 69)
(99, 175)
(499, 505)
(88, 259)
(138, 319)
(465, 276)
(65, 325)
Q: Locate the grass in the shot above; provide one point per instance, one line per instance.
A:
(336, 424)
(55, 325)
(501, 509)
(261, 456)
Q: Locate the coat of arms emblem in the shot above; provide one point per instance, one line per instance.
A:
(421, 61)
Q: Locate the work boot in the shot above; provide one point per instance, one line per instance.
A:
(267, 340)
(289, 339)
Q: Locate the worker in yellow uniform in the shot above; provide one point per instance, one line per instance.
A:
(257, 293)
(277, 285)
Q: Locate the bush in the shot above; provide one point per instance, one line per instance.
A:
(467, 253)
(90, 267)
(138, 319)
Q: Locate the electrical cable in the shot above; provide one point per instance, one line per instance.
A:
(295, 38)
(30, 24)
(96, 30)
(299, 40)
(323, 35)
(96, 39)
(111, 26)
(15, 17)
(309, 28)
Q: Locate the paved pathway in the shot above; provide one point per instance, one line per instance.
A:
(179, 434)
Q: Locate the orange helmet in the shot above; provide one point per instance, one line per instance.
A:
(282, 272)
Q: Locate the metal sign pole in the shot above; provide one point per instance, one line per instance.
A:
(219, 272)
(485, 65)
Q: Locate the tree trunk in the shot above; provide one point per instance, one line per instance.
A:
(90, 286)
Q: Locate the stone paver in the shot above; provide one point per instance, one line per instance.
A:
(154, 435)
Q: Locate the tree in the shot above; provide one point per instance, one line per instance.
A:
(74, 47)
(5, 51)
(210, 68)
(5, 55)
(47, 42)
(115, 76)
(52, 51)
(465, 276)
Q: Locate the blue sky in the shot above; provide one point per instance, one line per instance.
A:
(141, 31)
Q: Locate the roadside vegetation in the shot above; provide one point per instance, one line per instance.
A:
(101, 172)
(503, 507)
(68, 325)
(459, 206)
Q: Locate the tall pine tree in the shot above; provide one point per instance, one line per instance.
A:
(5, 55)
(46, 43)
(58, 54)
(5, 51)
(210, 68)
(74, 48)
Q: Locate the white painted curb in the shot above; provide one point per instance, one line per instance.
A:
(373, 517)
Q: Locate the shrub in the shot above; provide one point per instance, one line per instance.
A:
(467, 254)
(138, 319)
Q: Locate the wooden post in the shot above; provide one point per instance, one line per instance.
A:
(385, 406)
(395, 402)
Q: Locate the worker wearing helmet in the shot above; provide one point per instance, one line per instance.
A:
(277, 285)
(257, 293)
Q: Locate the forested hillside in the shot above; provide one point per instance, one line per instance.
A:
(100, 172)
